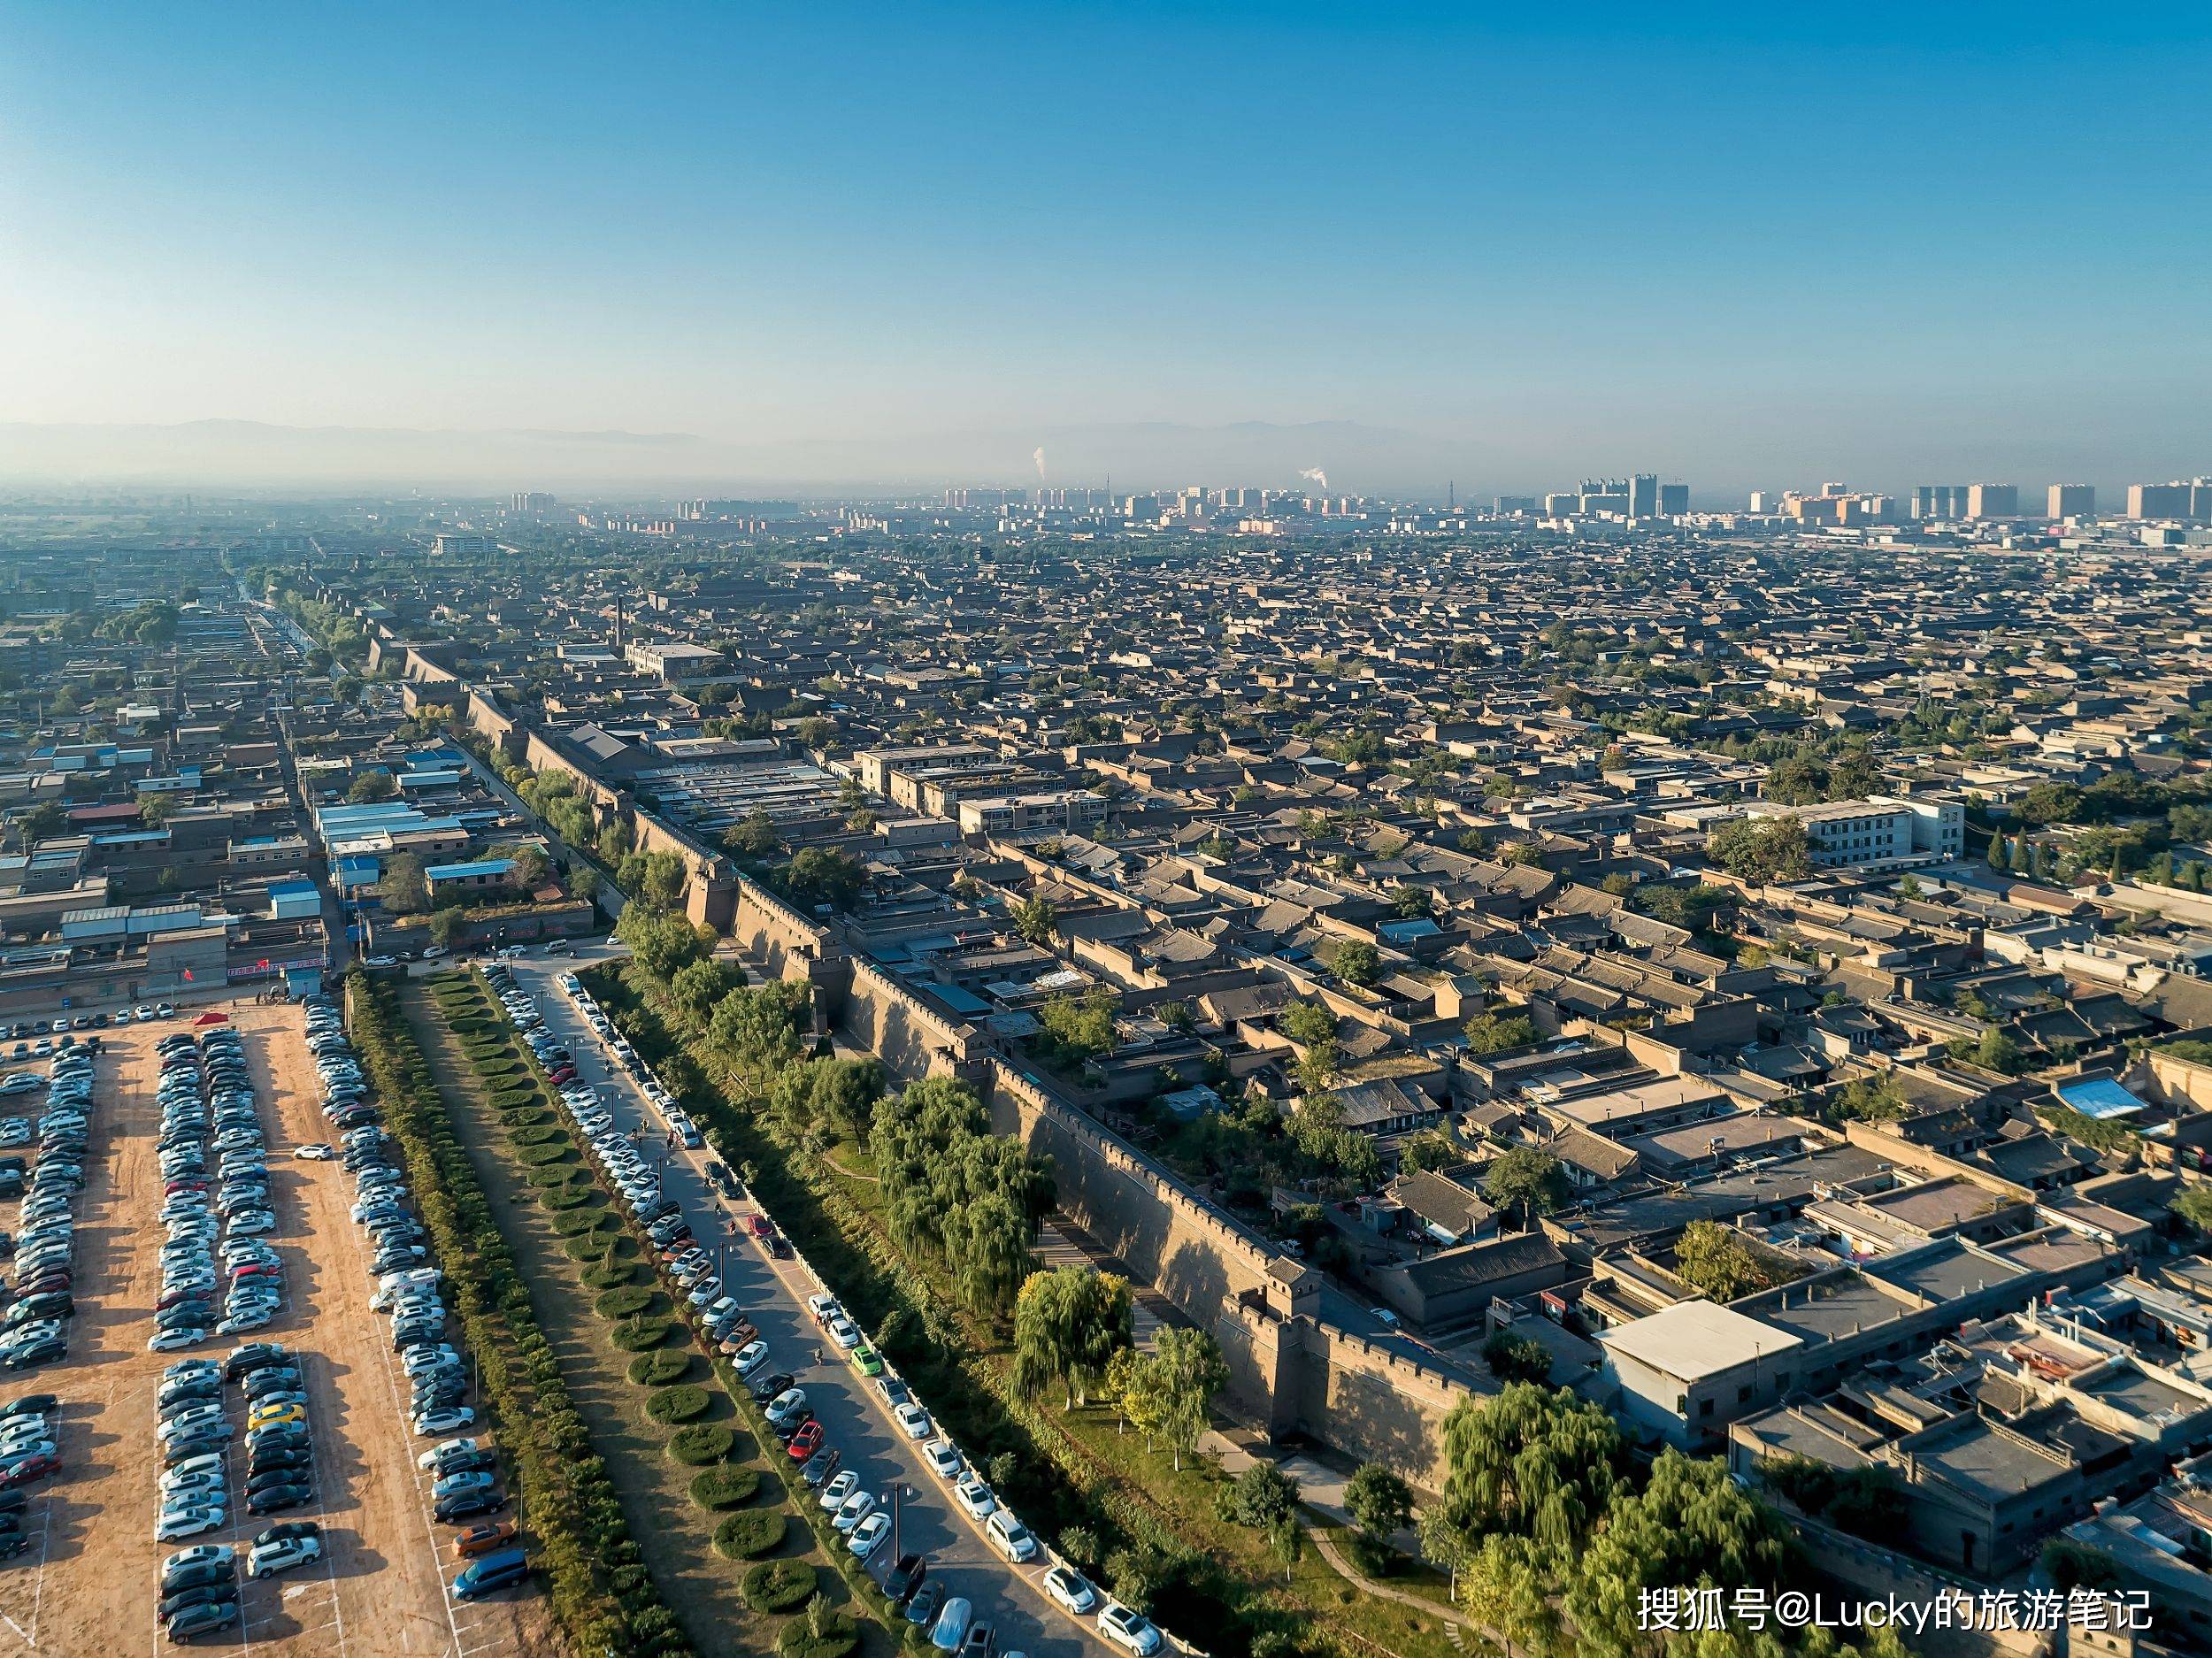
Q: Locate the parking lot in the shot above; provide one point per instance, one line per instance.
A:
(88, 1583)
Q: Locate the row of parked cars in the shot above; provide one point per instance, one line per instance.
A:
(218, 1217)
(464, 1472)
(34, 1329)
(674, 1117)
(194, 1434)
(30, 1434)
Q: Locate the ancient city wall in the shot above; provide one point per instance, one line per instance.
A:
(1289, 1371)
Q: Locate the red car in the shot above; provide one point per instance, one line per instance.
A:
(805, 1442)
(757, 1224)
(29, 1468)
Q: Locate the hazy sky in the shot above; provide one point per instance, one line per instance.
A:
(1754, 244)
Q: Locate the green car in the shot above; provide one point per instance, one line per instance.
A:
(864, 1356)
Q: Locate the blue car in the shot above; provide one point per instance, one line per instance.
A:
(492, 1573)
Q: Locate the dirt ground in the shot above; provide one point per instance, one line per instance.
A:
(87, 1590)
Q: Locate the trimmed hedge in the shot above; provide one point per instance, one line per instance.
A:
(775, 1586)
(839, 1636)
(701, 1443)
(683, 1402)
(640, 1335)
(725, 1487)
(538, 1157)
(578, 1222)
(610, 1275)
(661, 1369)
(545, 1135)
(626, 1303)
(566, 1201)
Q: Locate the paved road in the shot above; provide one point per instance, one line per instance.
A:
(774, 1293)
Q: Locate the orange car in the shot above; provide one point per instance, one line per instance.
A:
(480, 1540)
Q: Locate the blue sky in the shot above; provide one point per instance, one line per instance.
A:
(1735, 245)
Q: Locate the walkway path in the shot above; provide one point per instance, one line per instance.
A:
(1336, 1558)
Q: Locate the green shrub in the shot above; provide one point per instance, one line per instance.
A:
(564, 1200)
(661, 1369)
(626, 1303)
(610, 1275)
(640, 1334)
(577, 1222)
(549, 1134)
(590, 1245)
(537, 1156)
(701, 1443)
(559, 1175)
(725, 1487)
(681, 1403)
(775, 1586)
(832, 1637)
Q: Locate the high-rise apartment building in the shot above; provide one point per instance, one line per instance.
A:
(2176, 500)
(1993, 500)
(1674, 500)
(1643, 495)
(2071, 500)
(1940, 500)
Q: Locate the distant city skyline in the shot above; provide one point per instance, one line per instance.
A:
(868, 245)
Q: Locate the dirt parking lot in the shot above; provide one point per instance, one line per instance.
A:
(86, 1588)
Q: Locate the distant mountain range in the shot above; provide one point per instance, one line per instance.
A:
(205, 454)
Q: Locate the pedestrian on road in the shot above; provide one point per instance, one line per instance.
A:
(817, 1355)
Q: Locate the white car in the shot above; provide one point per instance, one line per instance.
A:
(973, 1495)
(853, 1510)
(785, 1405)
(175, 1340)
(751, 1357)
(1010, 1537)
(1118, 1624)
(437, 1453)
(868, 1535)
(445, 1421)
(184, 1522)
(1071, 1589)
(943, 1460)
(313, 1154)
(914, 1420)
(199, 1554)
(269, 1559)
(841, 1332)
(840, 1485)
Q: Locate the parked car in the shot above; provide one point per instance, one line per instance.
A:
(490, 1574)
(1131, 1630)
